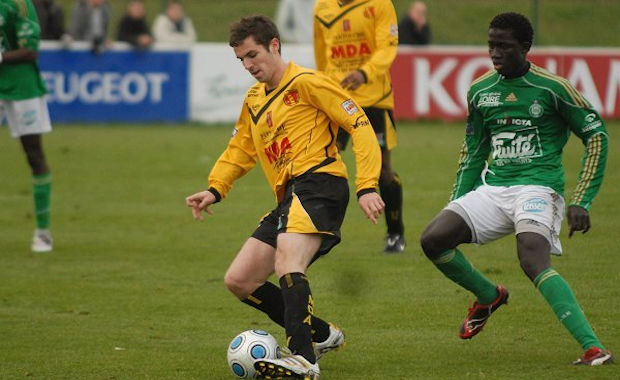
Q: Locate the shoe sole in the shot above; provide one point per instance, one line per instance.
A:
(278, 372)
(604, 360)
(330, 349)
(41, 250)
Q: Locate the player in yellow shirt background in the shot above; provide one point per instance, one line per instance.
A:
(288, 123)
(355, 43)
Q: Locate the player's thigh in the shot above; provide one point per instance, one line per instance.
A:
(27, 117)
(484, 211)
(295, 252)
(540, 210)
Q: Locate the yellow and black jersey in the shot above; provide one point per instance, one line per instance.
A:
(292, 130)
(359, 35)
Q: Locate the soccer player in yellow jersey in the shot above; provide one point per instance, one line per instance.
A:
(355, 43)
(288, 122)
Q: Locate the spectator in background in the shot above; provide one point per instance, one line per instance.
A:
(89, 22)
(294, 19)
(174, 26)
(133, 28)
(51, 19)
(413, 28)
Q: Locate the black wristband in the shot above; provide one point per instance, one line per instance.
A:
(215, 193)
(365, 191)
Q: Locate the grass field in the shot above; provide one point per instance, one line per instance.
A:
(134, 287)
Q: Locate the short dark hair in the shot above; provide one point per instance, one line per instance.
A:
(260, 27)
(517, 23)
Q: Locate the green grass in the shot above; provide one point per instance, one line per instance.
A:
(134, 287)
(560, 22)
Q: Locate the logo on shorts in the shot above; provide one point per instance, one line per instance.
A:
(29, 118)
(535, 205)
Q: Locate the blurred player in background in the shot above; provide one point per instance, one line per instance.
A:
(23, 105)
(522, 116)
(355, 43)
(288, 122)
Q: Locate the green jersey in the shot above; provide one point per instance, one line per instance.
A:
(19, 28)
(516, 131)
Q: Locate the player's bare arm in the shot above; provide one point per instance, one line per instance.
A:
(372, 205)
(578, 219)
(19, 56)
(200, 202)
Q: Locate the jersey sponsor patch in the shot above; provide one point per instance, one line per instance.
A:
(516, 147)
(361, 121)
(349, 106)
(489, 99)
(591, 122)
(394, 30)
(291, 97)
(369, 12)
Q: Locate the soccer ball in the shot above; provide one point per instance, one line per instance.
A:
(248, 347)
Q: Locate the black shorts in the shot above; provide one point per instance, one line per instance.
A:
(313, 203)
(382, 121)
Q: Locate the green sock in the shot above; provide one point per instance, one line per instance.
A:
(565, 306)
(42, 189)
(458, 269)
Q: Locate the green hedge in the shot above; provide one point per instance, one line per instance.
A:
(560, 22)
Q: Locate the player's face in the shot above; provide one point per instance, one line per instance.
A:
(507, 53)
(257, 60)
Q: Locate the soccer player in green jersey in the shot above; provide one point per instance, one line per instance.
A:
(519, 119)
(23, 104)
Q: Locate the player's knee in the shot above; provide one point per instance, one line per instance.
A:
(534, 256)
(431, 243)
(531, 267)
(237, 285)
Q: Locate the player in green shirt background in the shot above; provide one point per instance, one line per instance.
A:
(23, 105)
(511, 180)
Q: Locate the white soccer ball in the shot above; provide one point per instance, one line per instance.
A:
(248, 347)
